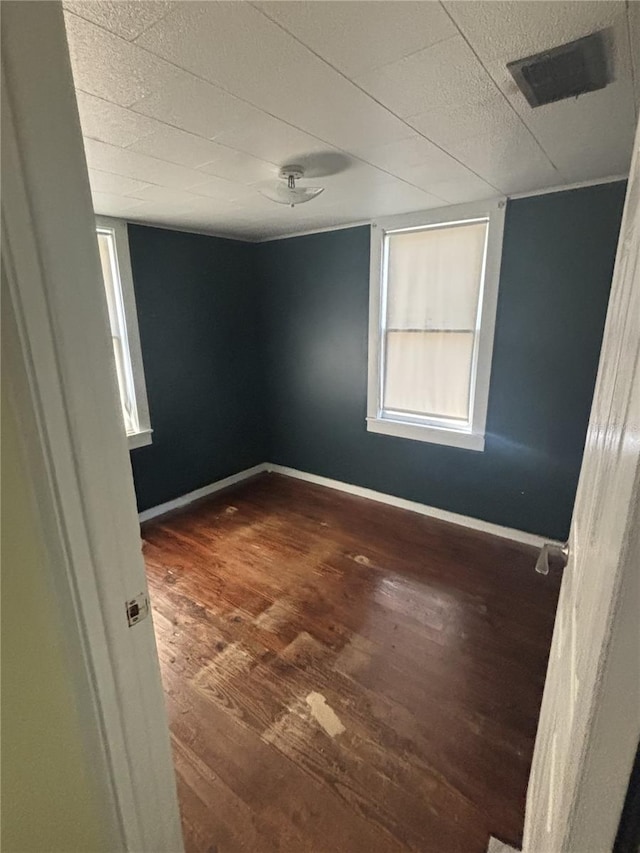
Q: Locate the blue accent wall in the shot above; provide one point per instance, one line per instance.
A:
(557, 264)
(197, 304)
(258, 352)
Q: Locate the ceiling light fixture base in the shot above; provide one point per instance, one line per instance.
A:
(285, 190)
(295, 172)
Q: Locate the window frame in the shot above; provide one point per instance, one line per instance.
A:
(131, 342)
(437, 430)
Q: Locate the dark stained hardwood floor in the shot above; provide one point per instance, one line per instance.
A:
(343, 676)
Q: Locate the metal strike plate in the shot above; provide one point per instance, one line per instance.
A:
(137, 609)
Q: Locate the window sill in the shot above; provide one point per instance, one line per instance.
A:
(434, 435)
(139, 439)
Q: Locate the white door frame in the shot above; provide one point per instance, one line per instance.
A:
(59, 359)
(59, 363)
(590, 717)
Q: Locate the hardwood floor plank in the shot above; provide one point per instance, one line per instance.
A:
(345, 676)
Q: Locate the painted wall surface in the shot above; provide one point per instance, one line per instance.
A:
(557, 264)
(49, 801)
(197, 311)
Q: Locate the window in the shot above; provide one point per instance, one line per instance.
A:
(434, 288)
(118, 284)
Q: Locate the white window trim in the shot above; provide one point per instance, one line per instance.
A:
(472, 437)
(143, 436)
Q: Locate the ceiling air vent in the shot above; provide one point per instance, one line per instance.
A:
(563, 72)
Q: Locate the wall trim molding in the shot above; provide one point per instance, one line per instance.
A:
(360, 491)
(203, 492)
(577, 185)
(413, 506)
(358, 223)
(161, 226)
(325, 229)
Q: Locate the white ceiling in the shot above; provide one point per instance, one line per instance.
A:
(392, 106)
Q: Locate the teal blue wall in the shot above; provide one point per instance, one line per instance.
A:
(258, 352)
(556, 272)
(197, 300)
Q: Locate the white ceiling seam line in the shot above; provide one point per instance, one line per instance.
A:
(502, 94)
(132, 107)
(189, 189)
(91, 21)
(405, 121)
(375, 67)
(126, 195)
(177, 127)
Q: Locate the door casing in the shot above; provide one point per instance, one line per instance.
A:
(63, 385)
(56, 355)
(590, 717)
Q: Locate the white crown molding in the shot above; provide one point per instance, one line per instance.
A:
(324, 230)
(179, 228)
(611, 179)
(578, 185)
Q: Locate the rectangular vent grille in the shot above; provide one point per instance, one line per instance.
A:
(563, 72)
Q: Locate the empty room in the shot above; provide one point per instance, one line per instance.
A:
(321, 351)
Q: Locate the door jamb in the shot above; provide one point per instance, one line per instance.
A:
(58, 362)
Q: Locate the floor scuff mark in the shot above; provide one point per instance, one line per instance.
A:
(324, 714)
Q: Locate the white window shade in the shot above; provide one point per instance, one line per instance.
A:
(428, 373)
(434, 283)
(434, 279)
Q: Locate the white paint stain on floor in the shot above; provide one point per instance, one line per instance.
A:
(324, 714)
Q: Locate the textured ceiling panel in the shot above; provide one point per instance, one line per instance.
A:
(125, 18)
(452, 123)
(111, 204)
(234, 46)
(270, 139)
(108, 182)
(188, 108)
(355, 40)
(446, 74)
(188, 103)
(110, 67)
(583, 137)
(111, 123)
(177, 146)
(511, 162)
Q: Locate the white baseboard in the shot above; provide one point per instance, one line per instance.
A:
(169, 506)
(360, 491)
(413, 506)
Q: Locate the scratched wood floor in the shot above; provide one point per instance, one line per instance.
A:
(342, 676)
